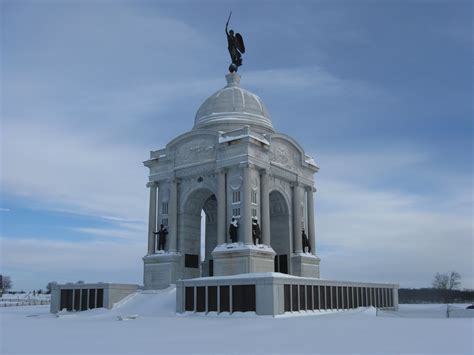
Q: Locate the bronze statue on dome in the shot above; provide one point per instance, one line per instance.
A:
(236, 47)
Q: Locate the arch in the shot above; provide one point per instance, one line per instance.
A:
(189, 235)
(280, 231)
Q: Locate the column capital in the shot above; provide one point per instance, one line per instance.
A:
(265, 172)
(247, 165)
(152, 184)
(221, 170)
(310, 188)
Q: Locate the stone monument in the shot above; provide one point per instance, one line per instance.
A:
(232, 164)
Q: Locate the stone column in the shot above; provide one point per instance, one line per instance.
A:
(246, 214)
(297, 199)
(173, 215)
(221, 207)
(311, 229)
(152, 218)
(265, 205)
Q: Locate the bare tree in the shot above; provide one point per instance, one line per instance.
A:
(447, 282)
(6, 283)
(440, 281)
(454, 280)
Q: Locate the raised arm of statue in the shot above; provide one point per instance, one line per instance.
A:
(227, 24)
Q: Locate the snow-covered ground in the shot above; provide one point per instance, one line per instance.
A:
(146, 323)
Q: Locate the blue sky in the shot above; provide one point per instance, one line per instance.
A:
(378, 92)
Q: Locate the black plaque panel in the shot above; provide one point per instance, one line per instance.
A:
(243, 298)
(100, 297)
(345, 301)
(294, 298)
(275, 264)
(352, 295)
(316, 290)
(322, 296)
(287, 292)
(224, 302)
(211, 267)
(283, 264)
(92, 298)
(77, 300)
(302, 298)
(212, 298)
(200, 299)
(189, 299)
(84, 300)
(191, 260)
(309, 297)
(250, 298)
(63, 300)
(334, 297)
(339, 297)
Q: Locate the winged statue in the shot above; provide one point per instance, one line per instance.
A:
(236, 47)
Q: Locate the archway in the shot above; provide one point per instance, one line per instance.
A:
(198, 262)
(280, 235)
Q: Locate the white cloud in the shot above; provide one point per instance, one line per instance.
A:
(66, 170)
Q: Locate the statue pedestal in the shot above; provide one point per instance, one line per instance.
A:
(239, 258)
(160, 269)
(305, 265)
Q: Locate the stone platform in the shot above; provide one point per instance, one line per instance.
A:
(275, 293)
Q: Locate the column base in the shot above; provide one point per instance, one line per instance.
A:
(160, 270)
(305, 265)
(239, 258)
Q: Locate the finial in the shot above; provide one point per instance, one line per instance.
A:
(233, 79)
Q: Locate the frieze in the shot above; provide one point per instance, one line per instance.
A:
(194, 151)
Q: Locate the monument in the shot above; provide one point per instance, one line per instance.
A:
(256, 187)
(239, 170)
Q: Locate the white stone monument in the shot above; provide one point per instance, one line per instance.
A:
(231, 164)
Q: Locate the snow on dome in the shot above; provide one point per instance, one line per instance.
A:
(233, 107)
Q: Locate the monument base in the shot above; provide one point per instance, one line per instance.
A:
(160, 270)
(239, 258)
(305, 265)
(275, 294)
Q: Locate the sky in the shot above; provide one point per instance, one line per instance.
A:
(378, 92)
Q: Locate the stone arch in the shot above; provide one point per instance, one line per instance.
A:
(189, 235)
(280, 230)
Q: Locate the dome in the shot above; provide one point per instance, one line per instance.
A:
(233, 107)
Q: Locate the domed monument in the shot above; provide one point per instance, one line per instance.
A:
(256, 187)
(232, 165)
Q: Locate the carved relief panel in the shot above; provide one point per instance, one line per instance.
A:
(195, 151)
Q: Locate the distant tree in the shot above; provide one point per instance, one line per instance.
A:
(447, 282)
(39, 292)
(6, 283)
(440, 281)
(80, 282)
(454, 280)
(49, 286)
